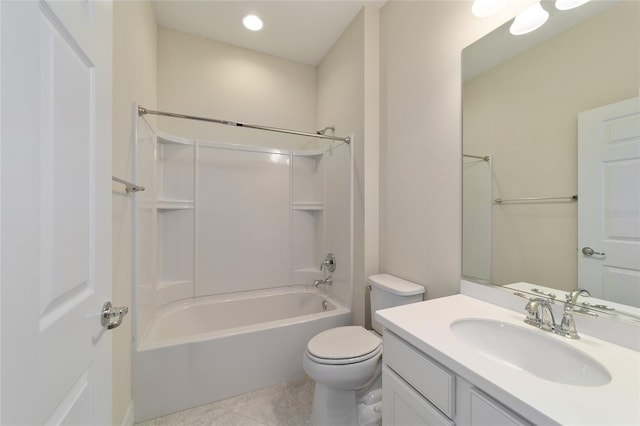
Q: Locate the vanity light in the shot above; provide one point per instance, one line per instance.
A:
(252, 22)
(529, 19)
(484, 8)
(569, 4)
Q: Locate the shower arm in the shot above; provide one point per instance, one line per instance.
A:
(323, 131)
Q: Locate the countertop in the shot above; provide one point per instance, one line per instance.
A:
(425, 325)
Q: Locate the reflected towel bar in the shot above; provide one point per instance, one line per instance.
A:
(480, 157)
(573, 197)
(129, 187)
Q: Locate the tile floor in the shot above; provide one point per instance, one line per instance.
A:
(285, 404)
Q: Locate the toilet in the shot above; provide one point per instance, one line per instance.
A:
(346, 362)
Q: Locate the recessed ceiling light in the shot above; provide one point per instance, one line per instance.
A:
(484, 8)
(252, 22)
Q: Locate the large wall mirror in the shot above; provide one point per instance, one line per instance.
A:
(551, 154)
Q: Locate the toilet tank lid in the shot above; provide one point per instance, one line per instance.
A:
(395, 285)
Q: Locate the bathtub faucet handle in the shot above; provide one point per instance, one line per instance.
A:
(329, 262)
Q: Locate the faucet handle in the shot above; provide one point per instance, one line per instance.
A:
(330, 262)
(568, 326)
(539, 314)
(533, 312)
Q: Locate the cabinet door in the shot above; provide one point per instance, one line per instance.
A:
(487, 412)
(403, 406)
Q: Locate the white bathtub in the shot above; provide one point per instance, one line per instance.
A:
(207, 349)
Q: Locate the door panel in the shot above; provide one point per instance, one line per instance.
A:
(55, 222)
(609, 206)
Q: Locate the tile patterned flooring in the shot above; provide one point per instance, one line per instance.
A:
(285, 404)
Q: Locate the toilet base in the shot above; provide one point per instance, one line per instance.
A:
(333, 407)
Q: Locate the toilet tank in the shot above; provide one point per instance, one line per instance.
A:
(388, 291)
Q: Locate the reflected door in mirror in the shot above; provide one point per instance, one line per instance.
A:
(609, 208)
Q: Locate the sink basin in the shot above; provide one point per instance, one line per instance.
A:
(531, 351)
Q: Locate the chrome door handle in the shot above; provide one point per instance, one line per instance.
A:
(588, 251)
(112, 316)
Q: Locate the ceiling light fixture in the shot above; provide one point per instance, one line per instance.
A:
(252, 22)
(569, 4)
(484, 8)
(529, 19)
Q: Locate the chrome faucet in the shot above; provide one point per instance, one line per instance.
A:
(539, 314)
(568, 324)
(573, 296)
(324, 281)
(329, 263)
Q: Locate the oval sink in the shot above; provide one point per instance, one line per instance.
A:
(531, 351)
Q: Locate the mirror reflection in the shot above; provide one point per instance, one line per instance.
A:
(544, 201)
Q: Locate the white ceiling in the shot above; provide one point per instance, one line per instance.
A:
(298, 30)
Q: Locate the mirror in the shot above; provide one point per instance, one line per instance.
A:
(521, 99)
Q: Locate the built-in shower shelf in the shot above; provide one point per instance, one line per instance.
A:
(167, 284)
(166, 138)
(308, 205)
(309, 153)
(174, 205)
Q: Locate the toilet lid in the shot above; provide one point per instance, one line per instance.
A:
(343, 343)
(345, 361)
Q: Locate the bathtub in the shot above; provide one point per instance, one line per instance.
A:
(206, 349)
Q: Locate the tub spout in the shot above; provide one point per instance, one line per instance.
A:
(324, 281)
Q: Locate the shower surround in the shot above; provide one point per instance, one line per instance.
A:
(236, 225)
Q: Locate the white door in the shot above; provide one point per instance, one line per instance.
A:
(55, 217)
(609, 202)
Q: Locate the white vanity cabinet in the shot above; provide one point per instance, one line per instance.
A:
(418, 390)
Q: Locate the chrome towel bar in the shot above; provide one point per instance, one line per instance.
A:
(517, 200)
(479, 157)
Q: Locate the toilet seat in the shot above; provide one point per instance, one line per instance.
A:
(344, 361)
(344, 345)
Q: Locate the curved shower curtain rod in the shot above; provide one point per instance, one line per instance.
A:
(142, 111)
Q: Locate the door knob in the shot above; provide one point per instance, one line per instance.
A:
(588, 251)
(112, 316)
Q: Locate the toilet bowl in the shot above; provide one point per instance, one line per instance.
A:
(344, 357)
(346, 362)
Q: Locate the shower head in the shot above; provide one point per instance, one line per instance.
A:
(323, 131)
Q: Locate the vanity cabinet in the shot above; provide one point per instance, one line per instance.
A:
(417, 390)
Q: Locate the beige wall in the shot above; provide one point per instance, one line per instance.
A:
(134, 79)
(524, 113)
(206, 78)
(348, 90)
(420, 166)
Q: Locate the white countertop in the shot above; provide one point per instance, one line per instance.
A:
(425, 325)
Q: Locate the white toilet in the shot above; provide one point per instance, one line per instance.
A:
(346, 362)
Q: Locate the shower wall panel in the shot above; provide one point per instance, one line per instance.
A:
(218, 218)
(145, 223)
(243, 220)
(477, 218)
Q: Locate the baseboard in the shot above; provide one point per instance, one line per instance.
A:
(128, 416)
